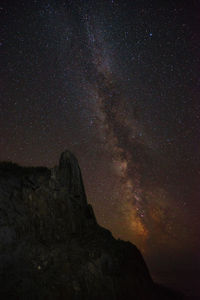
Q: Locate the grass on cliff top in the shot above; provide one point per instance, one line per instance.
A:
(8, 167)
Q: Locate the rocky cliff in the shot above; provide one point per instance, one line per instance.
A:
(51, 246)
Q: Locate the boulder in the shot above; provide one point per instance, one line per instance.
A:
(51, 246)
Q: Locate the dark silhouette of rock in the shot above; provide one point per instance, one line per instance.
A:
(51, 246)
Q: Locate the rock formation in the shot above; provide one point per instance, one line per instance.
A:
(51, 246)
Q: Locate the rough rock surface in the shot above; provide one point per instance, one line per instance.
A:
(51, 246)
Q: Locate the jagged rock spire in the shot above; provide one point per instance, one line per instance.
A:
(69, 174)
(51, 246)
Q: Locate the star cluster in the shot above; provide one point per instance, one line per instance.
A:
(115, 82)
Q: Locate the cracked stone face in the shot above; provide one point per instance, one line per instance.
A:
(51, 246)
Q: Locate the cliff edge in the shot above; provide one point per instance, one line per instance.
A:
(51, 246)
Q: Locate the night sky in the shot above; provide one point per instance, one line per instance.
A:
(117, 83)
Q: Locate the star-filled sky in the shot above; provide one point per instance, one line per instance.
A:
(117, 83)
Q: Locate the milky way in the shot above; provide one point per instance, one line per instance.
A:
(115, 82)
